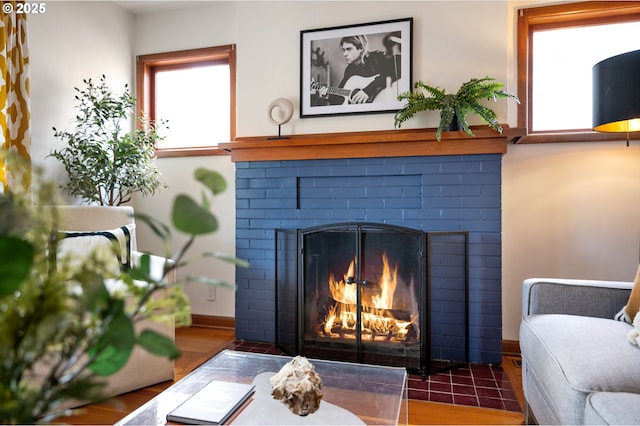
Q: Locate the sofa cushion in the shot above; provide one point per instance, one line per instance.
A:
(572, 356)
(612, 408)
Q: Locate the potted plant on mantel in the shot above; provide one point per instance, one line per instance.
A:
(454, 107)
(106, 164)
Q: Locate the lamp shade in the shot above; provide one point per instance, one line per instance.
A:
(616, 93)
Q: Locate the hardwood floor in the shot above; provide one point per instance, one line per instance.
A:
(200, 343)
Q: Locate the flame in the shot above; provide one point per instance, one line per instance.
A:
(378, 320)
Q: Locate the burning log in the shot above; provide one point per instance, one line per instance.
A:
(380, 319)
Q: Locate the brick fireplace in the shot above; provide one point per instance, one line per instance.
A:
(402, 178)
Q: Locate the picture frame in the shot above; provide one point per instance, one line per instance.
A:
(335, 80)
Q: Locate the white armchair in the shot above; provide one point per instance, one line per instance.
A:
(143, 369)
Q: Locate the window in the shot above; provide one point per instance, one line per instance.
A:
(557, 48)
(195, 91)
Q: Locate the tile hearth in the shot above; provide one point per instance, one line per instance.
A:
(477, 385)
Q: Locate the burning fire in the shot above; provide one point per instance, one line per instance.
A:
(380, 319)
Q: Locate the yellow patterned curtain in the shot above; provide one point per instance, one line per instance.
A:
(15, 115)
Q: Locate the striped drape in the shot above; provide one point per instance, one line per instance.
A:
(15, 116)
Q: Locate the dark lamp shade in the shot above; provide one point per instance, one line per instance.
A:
(616, 93)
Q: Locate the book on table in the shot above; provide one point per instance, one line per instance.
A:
(214, 404)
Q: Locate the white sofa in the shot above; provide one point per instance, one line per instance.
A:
(143, 369)
(578, 366)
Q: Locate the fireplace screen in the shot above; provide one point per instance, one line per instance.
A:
(361, 294)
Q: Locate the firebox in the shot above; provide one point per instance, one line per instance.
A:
(373, 293)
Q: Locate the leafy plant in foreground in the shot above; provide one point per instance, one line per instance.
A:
(62, 330)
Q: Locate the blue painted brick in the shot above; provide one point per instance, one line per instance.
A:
(249, 214)
(387, 213)
(348, 215)
(402, 180)
(480, 179)
(263, 165)
(364, 181)
(349, 170)
(461, 190)
(315, 171)
(283, 182)
(271, 203)
(283, 171)
(281, 193)
(320, 213)
(281, 214)
(250, 194)
(385, 192)
(242, 233)
(347, 193)
(479, 201)
(312, 193)
(418, 192)
(402, 203)
(250, 173)
(441, 179)
(366, 203)
(460, 167)
(385, 169)
(242, 183)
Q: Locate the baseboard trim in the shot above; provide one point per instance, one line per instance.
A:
(213, 321)
(511, 347)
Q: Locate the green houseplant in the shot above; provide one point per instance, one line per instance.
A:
(107, 163)
(454, 106)
(61, 330)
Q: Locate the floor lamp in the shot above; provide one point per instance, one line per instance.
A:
(616, 94)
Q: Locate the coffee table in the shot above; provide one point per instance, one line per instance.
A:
(375, 394)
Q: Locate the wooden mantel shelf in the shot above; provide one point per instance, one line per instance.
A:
(386, 143)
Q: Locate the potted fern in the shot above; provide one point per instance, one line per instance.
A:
(454, 107)
(105, 161)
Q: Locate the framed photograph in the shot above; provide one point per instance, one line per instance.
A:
(355, 69)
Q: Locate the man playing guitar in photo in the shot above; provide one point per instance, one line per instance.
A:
(367, 73)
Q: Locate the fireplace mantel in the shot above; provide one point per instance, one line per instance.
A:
(371, 144)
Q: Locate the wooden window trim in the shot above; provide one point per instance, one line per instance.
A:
(557, 16)
(146, 65)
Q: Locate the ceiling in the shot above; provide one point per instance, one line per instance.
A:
(143, 7)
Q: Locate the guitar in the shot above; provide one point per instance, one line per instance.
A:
(355, 83)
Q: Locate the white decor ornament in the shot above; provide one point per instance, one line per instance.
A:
(279, 112)
(284, 109)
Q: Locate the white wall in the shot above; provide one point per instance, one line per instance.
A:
(72, 41)
(569, 210)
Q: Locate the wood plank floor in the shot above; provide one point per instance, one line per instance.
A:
(200, 343)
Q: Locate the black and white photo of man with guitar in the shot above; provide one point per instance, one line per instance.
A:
(369, 76)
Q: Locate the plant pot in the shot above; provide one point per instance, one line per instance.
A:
(455, 125)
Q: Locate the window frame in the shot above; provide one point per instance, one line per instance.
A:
(147, 65)
(531, 19)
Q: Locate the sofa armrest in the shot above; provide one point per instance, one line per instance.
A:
(591, 298)
(157, 265)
